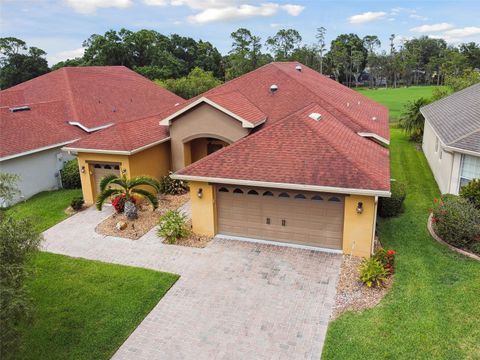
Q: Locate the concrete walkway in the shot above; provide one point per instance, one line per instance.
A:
(234, 300)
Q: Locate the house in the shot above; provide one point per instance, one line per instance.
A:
(40, 116)
(451, 139)
(282, 154)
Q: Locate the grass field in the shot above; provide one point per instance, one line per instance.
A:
(87, 309)
(432, 311)
(395, 99)
(46, 208)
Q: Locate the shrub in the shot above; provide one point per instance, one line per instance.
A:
(456, 220)
(393, 206)
(172, 226)
(412, 120)
(372, 272)
(171, 186)
(386, 258)
(77, 203)
(471, 192)
(71, 175)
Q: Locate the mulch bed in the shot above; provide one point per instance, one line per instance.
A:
(193, 240)
(147, 218)
(352, 295)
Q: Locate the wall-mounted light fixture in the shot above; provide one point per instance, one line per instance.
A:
(360, 207)
(124, 171)
(83, 170)
(200, 193)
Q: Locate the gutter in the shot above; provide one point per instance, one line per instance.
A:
(25, 153)
(115, 152)
(300, 187)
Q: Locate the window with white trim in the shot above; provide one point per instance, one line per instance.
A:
(470, 169)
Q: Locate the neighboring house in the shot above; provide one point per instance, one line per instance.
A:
(40, 116)
(281, 154)
(451, 139)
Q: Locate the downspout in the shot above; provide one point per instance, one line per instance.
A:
(374, 225)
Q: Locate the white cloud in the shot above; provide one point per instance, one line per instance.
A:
(463, 32)
(432, 28)
(242, 11)
(155, 2)
(90, 6)
(64, 55)
(418, 17)
(366, 17)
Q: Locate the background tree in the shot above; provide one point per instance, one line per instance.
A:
(320, 36)
(19, 63)
(18, 242)
(197, 82)
(283, 43)
(341, 53)
(371, 43)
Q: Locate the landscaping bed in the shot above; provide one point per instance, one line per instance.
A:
(192, 239)
(147, 218)
(352, 294)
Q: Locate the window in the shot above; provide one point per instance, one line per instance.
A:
(317, 197)
(223, 189)
(107, 167)
(116, 167)
(470, 169)
(252, 192)
(436, 144)
(98, 166)
(300, 196)
(267, 193)
(284, 195)
(334, 199)
(238, 191)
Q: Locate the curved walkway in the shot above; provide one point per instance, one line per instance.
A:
(234, 300)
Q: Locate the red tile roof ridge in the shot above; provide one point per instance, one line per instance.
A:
(64, 72)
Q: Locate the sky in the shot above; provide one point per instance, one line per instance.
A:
(60, 26)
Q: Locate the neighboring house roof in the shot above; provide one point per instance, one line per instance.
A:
(456, 119)
(300, 152)
(296, 90)
(92, 97)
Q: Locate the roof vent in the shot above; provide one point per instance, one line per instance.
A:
(176, 104)
(315, 116)
(348, 104)
(374, 118)
(19, 108)
(273, 88)
(358, 102)
(298, 68)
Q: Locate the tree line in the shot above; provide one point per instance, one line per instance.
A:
(350, 59)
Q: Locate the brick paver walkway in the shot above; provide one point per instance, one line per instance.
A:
(234, 300)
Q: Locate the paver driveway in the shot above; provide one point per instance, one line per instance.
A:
(234, 300)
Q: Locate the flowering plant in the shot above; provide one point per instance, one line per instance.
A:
(386, 258)
(118, 202)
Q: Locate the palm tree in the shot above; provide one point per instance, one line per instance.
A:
(128, 187)
(412, 120)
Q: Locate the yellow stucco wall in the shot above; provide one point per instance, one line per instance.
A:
(154, 161)
(203, 209)
(88, 182)
(358, 228)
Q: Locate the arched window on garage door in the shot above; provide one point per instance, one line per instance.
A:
(223, 189)
(284, 195)
(334, 199)
(238, 191)
(252, 192)
(317, 197)
(300, 196)
(267, 193)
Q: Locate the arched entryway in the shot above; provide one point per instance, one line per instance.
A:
(200, 147)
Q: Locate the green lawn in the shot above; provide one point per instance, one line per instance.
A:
(395, 99)
(432, 311)
(45, 208)
(87, 309)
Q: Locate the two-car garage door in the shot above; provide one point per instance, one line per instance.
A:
(305, 218)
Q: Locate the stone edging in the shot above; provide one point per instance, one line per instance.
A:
(443, 242)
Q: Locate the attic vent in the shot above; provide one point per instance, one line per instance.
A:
(298, 68)
(273, 88)
(176, 104)
(374, 118)
(19, 108)
(315, 116)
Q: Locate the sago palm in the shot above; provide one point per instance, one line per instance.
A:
(127, 187)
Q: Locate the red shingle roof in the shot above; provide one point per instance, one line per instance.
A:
(300, 150)
(92, 96)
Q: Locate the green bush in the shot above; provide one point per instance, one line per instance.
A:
(172, 226)
(393, 206)
(77, 203)
(71, 175)
(457, 221)
(171, 186)
(471, 192)
(372, 272)
(386, 258)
